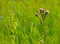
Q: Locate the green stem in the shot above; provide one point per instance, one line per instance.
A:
(44, 35)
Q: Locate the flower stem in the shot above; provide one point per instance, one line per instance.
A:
(44, 35)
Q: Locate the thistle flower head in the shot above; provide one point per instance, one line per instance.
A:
(47, 12)
(41, 10)
(36, 14)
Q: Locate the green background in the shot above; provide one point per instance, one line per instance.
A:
(19, 25)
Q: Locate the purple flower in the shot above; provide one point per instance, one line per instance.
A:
(41, 10)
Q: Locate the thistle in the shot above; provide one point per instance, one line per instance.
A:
(42, 12)
(46, 13)
(36, 14)
(42, 21)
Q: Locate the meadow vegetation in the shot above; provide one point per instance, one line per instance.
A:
(19, 25)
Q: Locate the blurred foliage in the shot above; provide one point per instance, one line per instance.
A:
(19, 25)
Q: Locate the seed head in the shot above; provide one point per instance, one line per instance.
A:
(41, 10)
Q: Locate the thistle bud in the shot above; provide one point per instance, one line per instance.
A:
(46, 12)
(36, 14)
(41, 10)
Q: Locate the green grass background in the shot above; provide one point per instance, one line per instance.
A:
(20, 26)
